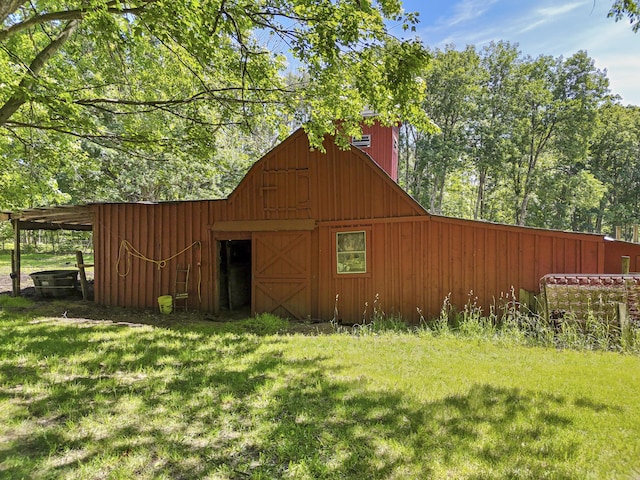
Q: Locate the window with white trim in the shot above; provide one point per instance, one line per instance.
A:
(351, 252)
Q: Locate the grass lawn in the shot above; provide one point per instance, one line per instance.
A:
(100, 399)
(33, 262)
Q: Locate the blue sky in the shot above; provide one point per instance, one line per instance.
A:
(539, 28)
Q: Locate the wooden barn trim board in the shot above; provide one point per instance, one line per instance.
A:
(304, 227)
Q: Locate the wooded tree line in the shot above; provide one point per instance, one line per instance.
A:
(530, 141)
(108, 100)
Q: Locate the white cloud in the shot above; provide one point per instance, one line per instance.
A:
(463, 12)
(555, 11)
(468, 10)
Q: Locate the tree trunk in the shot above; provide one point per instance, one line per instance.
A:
(479, 210)
(437, 197)
(38, 63)
(523, 209)
(407, 155)
(600, 217)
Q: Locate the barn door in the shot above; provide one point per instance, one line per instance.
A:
(282, 273)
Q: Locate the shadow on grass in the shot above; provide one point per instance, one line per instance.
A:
(125, 402)
(486, 432)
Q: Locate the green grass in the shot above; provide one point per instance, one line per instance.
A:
(97, 399)
(33, 262)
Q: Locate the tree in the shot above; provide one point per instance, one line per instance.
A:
(491, 127)
(515, 131)
(139, 74)
(628, 8)
(559, 99)
(28, 170)
(567, 198)
(452, 80)
(615, 161)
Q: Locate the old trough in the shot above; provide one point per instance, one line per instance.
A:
(55, 283)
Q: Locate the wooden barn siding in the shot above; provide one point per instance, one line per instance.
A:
(157, 231)
(291, 182)
(615, 250)
(382, 148)
(335, 185)
(415, 259)
(416, 263)
(276, 187)
(351, 187)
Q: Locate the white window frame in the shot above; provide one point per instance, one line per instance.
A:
(339, 254)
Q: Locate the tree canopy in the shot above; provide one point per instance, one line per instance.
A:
(150, 75)
(150, 100)
(532, 141)
(626, 8)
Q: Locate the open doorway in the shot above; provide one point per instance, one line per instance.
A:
(235, 274)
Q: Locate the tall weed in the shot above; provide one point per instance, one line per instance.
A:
(375, 320)
(507, 321)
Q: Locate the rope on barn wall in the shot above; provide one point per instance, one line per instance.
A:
(131, 251)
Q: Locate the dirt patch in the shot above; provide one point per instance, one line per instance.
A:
(6, 283)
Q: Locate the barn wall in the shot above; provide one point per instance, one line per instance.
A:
(416, 263)
(278, 186)
(154, 232)
(615, 250)
(293, 182)
(414, 260)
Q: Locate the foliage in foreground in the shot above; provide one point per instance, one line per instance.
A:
(84, 398)
(121, 100)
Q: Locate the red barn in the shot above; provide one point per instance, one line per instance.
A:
(304, 228)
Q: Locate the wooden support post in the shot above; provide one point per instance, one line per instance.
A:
(15, 259)
(625, 325)
(83, 275)
(229, 287)
(626, 260)
(528, 301)
(14, 276)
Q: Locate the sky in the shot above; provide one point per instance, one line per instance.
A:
(541, 27)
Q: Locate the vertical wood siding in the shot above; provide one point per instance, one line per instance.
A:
(615, 250)
(414, 260)
(418, 263)
(158, 232)
(384, 147)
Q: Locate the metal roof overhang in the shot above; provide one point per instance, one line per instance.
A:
(64, 217)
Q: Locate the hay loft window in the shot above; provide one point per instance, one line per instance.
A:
(351, 249)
